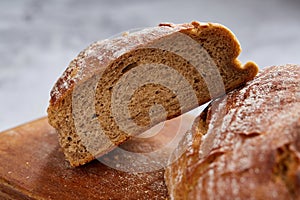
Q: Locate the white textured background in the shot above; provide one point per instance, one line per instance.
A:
(39, 38)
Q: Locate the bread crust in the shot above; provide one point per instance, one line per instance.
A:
(245, 145)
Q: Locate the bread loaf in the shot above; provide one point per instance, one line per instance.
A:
(245, 145)
(113, 89)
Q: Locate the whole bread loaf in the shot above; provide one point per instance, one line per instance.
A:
(246, 145)
(120, 87)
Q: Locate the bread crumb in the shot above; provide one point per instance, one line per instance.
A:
(124, 34)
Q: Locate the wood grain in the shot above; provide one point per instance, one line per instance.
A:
(33, 167)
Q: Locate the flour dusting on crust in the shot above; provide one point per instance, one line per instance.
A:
(251, 149)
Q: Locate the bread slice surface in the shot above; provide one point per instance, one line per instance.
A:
(118, 88)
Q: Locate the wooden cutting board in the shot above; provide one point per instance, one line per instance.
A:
(32, 166)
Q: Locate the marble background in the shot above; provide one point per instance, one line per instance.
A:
(39, 38)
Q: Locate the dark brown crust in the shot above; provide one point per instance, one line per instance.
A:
(251, 146)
